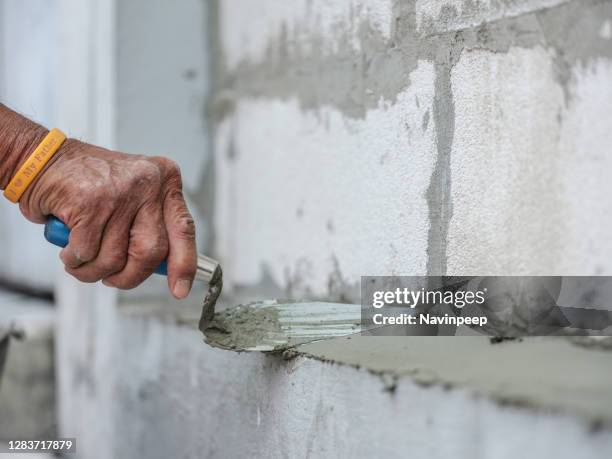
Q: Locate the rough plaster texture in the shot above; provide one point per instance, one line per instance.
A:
(506, 165)
(528, 162)
(427, 137)
(326, 183)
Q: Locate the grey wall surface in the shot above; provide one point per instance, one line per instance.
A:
(411, 137)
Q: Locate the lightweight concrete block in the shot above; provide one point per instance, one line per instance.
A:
(529, 166)
(307, 199)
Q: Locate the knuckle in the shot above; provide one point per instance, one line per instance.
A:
(112, 262)
(88, 193)
(186, 266)
(172, 175)
(175, 194)
(169, 166)
(84, 254)
(76, 255)
(185, 226)
(172, 167)
(68, 260)
(151, 252)
(147, 176)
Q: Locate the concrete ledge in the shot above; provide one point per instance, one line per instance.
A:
(167, 394)
(544, 374)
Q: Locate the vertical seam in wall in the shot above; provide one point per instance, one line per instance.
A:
(438, 195)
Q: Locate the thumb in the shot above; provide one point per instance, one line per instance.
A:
(182, 256)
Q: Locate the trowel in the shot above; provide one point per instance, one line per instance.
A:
(277, 325)
(267, 326)
(208, 270)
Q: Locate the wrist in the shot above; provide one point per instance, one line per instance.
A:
(33, 196)
(18, 139)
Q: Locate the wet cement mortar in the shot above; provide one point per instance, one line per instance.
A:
(354, 81)
(242, 327)
(215, 286)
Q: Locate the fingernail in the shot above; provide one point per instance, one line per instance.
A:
(182, 288)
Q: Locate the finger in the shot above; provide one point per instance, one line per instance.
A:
(182, 256)
(113, 253)
(148, 247)
(84, 241)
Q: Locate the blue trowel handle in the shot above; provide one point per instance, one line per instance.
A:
(57, 233)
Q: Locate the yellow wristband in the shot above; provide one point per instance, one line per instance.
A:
(34, 164)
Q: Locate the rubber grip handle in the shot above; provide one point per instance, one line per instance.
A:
(57, 233)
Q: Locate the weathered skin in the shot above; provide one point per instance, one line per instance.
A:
(126, 214)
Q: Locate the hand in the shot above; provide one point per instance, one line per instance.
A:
(126, 214)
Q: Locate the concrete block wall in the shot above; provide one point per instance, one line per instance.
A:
(411, 137)
(350, 138)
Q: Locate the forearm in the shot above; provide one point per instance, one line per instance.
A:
(126, 212)
(18, 138)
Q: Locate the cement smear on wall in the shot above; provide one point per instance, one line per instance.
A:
(300, 63)
(242, 327)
